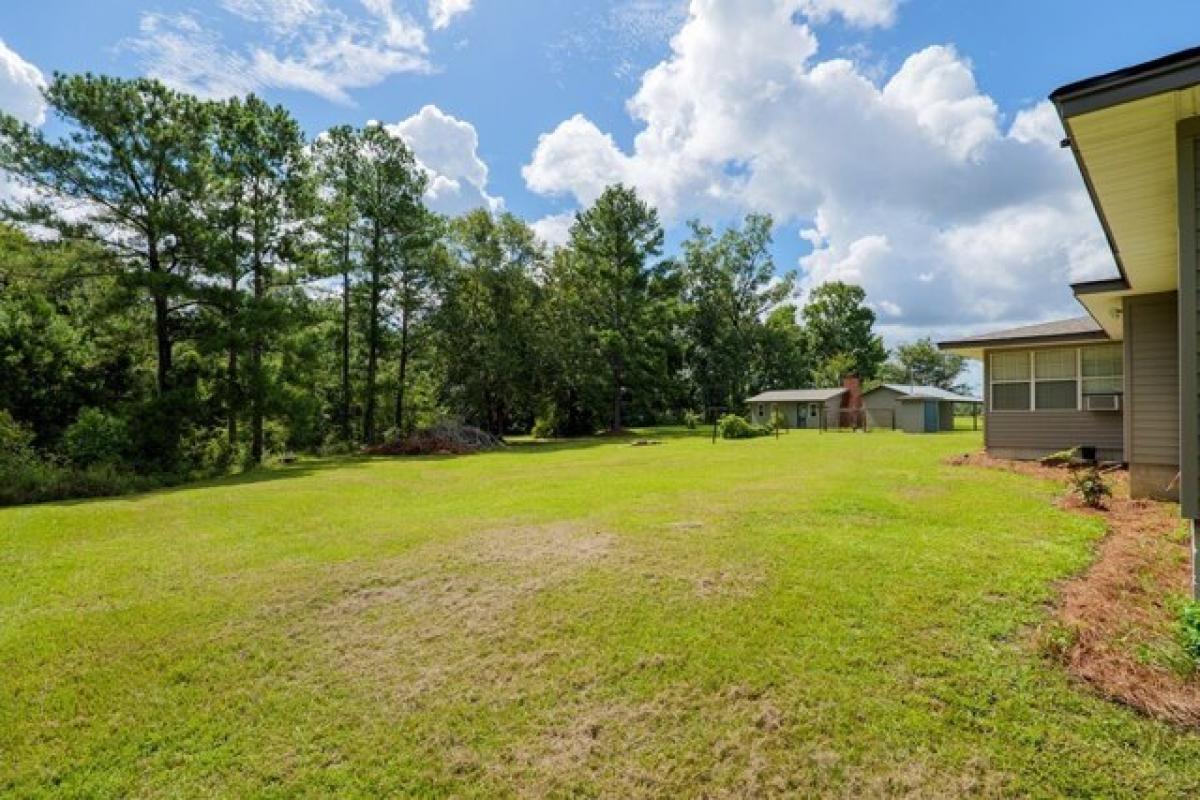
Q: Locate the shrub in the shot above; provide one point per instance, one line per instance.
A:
(96, 438)
(445, 438)
(731, 426)
(40, 481)
(1091, 487)
(16, 441)
(208, 451)
(1061, 458)
(544, 428)
(692, 419)
(1189, 629)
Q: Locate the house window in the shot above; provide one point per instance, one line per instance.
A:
(1103, 370)
(1010, 381)
(1056, 380)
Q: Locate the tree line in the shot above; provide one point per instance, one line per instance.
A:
(192, 284)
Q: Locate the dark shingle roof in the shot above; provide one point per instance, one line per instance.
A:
(1067, 330)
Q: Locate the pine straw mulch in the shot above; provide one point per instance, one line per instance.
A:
(1115, 625)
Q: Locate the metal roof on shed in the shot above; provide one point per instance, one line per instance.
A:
(797, 396)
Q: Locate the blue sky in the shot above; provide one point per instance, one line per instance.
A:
(899, 144)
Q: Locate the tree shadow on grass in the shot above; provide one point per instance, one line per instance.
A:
(308, 467)
(302, 469)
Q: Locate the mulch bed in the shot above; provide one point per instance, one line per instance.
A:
(1120, 617)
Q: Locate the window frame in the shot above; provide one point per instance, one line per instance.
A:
(1120, 376)
(992, 382)
(1076, 363)
(1032, 380)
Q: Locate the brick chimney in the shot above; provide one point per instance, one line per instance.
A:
(852, 399)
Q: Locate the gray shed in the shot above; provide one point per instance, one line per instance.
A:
(796, 408)
(913, 409)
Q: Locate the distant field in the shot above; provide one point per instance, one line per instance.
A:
(819, 614)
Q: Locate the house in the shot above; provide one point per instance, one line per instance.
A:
(1135, 135)
(913, 409)
(1051, 387)
(796, 408)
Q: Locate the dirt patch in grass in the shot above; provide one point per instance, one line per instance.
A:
(1115, 625)
(479, 577)
(728, 741)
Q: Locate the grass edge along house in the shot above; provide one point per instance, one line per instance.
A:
(1135, 135)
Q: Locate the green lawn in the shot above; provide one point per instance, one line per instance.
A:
(819, 614)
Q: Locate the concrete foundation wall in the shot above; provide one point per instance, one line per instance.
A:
(1154, 481)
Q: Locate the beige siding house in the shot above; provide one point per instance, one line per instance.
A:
(796, 408)
(1135, 135)
(1050, 387)
(913, 409)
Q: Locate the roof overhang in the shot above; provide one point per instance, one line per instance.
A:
(974, 348)
(1103, 300)
(1122, 130)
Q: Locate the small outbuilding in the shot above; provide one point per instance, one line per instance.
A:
(796, 408)
(914, 409)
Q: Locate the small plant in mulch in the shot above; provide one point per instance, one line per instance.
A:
(1189, 629)
(1055, 640)
(1091, 488)
(1060, 459)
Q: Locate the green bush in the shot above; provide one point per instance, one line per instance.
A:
(545, 427)
(96, 438)
(1091, 487)
(731, 426)
(692, 419)
(40, 482)
(16, 441)
(1189, 629)
(207, 451)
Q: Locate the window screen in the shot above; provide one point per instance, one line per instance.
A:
(1056, 395)
(1103, 368)
(1056, 365)
(1010, 366)
(1057, 386)
(1010, 396)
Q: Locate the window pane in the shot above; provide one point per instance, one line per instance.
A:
(1103, 361)
(1056, 395)
(1055, 364)
(1010, 396)
(1103, 386)
(1010, 366)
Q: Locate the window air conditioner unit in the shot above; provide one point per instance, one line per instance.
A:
(1102, 402)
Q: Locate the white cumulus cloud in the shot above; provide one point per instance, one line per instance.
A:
(859, 13)
(910, 184)
(448, 149)
(443, 12)
(21, 85)
(554, 229)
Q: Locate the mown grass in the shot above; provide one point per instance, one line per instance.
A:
(835, 614)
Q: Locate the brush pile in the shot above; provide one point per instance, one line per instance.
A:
(444, 438)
